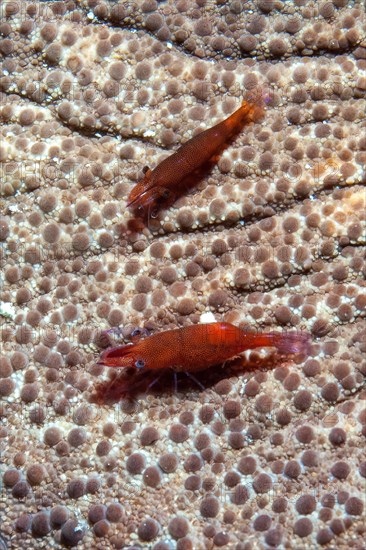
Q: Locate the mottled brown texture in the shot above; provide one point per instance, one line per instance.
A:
(273, 237)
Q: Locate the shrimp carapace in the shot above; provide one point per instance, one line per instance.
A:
(169, 180)
(198, 347)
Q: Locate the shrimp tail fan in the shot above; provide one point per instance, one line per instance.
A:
(291, 342)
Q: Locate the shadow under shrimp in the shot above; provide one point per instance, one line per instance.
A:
(130, 384)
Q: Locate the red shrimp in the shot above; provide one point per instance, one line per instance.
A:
(198, 347)
(168, 180)
(152, 361)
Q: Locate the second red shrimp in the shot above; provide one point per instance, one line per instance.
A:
(164, 183)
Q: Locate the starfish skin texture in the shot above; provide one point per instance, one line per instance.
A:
(272, 237)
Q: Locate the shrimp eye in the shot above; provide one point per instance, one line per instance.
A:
(139, 364)
(166, 194)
